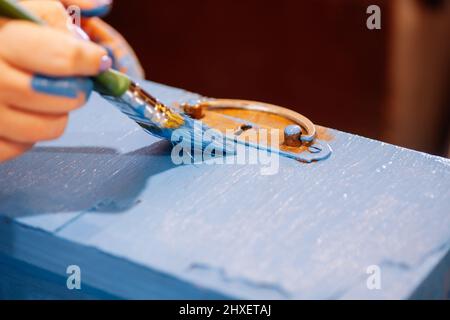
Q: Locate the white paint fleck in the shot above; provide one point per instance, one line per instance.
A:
(429, 195)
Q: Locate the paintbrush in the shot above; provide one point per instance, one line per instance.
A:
(152, 115)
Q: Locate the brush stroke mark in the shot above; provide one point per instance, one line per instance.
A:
(249, 283)
(68, 87)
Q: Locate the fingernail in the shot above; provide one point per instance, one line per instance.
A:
(105, 63)
(111, 55)
(68, 87)
(101, 9)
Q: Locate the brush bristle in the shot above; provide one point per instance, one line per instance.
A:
(195, 135)
(181, 129)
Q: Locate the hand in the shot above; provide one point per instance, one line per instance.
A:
(123, 56)
(34, 98)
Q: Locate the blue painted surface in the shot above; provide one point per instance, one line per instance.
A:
(20, 280)
(69, 87)
(293, 130)
(43, 272)
(106, 196)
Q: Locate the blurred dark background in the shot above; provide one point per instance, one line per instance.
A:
(316, 57)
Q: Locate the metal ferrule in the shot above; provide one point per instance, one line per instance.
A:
(146, 110)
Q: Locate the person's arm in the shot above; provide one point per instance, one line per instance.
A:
(44, 74)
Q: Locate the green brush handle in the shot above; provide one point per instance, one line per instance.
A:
(111, 82)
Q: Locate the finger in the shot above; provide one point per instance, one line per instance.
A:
(123, 57)
(44, 50)
(55, 15)
(10, 150)
(91, 8)
(42, 94)
(27, 127)
(50, 11)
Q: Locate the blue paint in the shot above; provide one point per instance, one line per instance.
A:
(20, 246)
(99, 11)
(191, 131)
(69, 87)
(318, 151)
(293, 130)
(310, 230)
